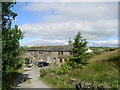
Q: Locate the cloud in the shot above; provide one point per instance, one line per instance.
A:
(37, 42)
(90, 30)
(89, 11)
(96, 21)
(109, 43)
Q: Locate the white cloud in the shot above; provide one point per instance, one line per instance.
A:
(90, 30)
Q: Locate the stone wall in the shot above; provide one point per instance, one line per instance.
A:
(50, 57)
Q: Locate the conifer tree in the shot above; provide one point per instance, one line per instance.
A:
(79, 49)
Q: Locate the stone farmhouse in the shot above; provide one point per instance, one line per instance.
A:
(51, 54)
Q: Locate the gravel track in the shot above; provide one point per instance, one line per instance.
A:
(30, 79)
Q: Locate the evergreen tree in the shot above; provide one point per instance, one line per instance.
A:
(79, 49)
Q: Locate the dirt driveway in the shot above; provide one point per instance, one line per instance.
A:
(30, 79)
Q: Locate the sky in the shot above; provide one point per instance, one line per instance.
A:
(53, 23)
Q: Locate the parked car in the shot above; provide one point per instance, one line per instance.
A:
(42, 64)
(26, 69)
(30, 65)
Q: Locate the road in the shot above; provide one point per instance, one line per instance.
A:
(30, 79)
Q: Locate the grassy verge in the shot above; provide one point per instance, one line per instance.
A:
(56, 81)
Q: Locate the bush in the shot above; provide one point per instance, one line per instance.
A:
(77, 65)
(26, 60)
(43, 72)
(63, 69)
(114, 84)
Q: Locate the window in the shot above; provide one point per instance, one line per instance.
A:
(50, 52)
(40, 52)
(70, 53)
(60, 60)
(60, 53)
(65, 60)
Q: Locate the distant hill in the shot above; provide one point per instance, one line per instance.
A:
(100, 47)
(107, 56)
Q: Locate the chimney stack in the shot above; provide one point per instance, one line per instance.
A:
(70, 42)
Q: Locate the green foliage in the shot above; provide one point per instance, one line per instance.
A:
(62, 70)
(10, 44)
(10, 49)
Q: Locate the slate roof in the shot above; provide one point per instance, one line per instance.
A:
(50, 48)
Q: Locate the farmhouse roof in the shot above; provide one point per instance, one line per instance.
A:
(50, 48)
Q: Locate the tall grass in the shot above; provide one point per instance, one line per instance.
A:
(102, 68)
(113, 55)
